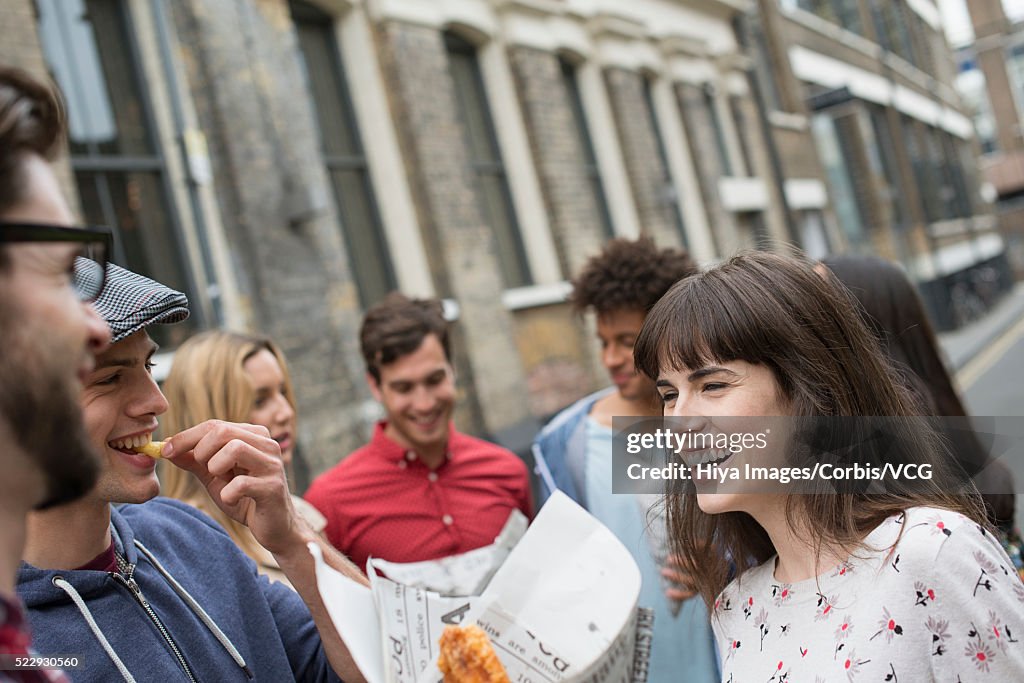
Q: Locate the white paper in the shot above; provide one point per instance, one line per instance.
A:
(562, 608)
(351, 607)
(463, 574)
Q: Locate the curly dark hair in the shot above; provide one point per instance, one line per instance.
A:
(629, 275)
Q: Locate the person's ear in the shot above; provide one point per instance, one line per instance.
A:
(374, 385)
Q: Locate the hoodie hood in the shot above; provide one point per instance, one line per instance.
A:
(36, 587)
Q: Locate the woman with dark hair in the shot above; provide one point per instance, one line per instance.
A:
(893, 310)
(851, 584)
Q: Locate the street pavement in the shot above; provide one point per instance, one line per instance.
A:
(988, 356)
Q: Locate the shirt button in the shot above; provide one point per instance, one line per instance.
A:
(410, 456)
(447, 520)
(432, 476)
(402, 464)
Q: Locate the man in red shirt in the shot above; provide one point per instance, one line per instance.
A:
(49, 334)
(420, 490)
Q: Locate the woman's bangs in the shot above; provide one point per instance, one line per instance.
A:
(672, 336)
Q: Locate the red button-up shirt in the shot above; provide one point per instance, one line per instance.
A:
(382, 501)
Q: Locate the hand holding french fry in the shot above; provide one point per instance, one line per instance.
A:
(241, 468)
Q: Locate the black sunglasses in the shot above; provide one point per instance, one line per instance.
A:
(91, 261)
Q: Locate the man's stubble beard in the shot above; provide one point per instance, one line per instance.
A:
(39, 401)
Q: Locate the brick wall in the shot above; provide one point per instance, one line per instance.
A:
(557, 354)
(647, 173)
(243, 68)
(700, 133)
(559, 155)
(461, 246)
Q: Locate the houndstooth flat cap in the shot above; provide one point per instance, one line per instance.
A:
(130, 302)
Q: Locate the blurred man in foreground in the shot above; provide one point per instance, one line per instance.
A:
(48, 335)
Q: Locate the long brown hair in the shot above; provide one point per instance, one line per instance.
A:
(775, 311)
(893, 310)
(208, 381)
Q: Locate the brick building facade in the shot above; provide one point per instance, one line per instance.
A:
(868, 85)
(991, 79)
(288, 162)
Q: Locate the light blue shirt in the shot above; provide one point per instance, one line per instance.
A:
(682, 648)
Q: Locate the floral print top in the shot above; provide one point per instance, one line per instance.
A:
(943, 604)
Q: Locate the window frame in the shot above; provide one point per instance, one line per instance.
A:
(515, 271)
(307, 12)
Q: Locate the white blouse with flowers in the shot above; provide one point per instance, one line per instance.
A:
(944, 604)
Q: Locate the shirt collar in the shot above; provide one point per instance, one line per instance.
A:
(397, 454)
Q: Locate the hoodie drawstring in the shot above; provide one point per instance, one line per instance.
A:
(199, 611)
(61, 582)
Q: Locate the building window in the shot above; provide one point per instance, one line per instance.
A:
(849, 15)
(590, 167)
(765, 69)
(831, 153)
(485, 160)
(955, 192)
(670, 197)
(724, 161)
(922, 36)
(813, 235)
(118, 165)
(856, 154)
(886, 147)
(922, 161)
(893, 31)
(973, 88)
(743, 128)
(1015, 70)
(343, 153)
(845, 13)
(751, 230)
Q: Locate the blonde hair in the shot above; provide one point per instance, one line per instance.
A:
(208, 381)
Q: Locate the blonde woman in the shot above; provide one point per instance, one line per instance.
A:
(238, 378)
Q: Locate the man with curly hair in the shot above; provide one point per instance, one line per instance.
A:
(574, 451)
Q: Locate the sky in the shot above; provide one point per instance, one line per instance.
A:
(958, 22)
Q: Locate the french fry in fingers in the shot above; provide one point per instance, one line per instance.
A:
(152, 449)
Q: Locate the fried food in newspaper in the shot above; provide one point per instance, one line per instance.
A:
(467, 656)
(152, 449)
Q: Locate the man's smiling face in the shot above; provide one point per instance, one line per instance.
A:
(120, 403)
(418, 394)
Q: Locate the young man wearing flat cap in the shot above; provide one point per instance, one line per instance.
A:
(48, 334)
(155, 590)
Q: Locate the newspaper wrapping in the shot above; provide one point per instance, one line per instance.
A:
(561, 608)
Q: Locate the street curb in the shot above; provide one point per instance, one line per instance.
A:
(1001, 318)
